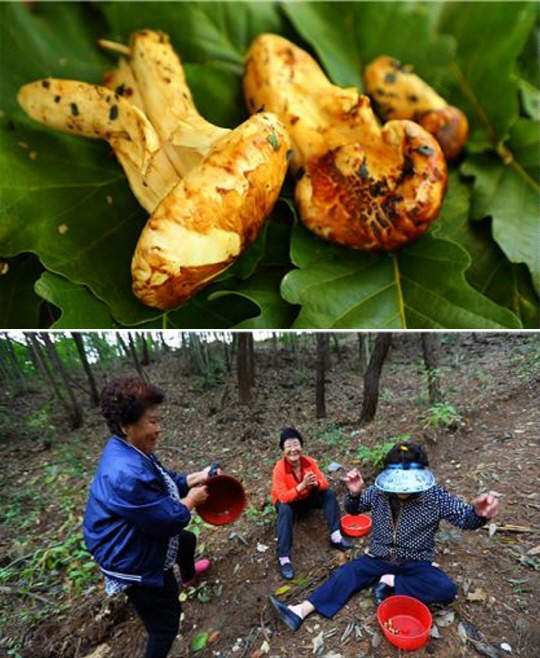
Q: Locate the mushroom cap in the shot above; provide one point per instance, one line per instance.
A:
(212, 215)
(346, 196)
(398, 93)
(359, 185)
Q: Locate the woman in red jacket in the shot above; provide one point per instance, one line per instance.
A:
(297, 486)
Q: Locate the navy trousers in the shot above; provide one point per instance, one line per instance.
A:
(159, 607)
(287, 511)
(419, 579)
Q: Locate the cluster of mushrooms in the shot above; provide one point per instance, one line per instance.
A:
(208, 189)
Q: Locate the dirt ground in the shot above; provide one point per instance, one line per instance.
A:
(495, 386)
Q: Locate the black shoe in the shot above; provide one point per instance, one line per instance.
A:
(343, 545)
(288, 617)
(287, 571)
(382, 591)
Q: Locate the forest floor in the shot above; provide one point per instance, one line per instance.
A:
(494, 384)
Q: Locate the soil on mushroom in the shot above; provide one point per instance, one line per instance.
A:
(494, 385)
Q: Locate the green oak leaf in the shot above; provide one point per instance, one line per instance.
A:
(348, 35)
(490, 38)
(421, 287)
(19, 304)
(263, 290)
(508, 195)
(81, 309)
(490, 271)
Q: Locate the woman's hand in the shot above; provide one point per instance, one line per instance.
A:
(354, 482)
(199, 477)
(309, 480)
(196, 496)
(486, 505)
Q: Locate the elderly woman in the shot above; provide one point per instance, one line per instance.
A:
(137, 511)
(406, 506)
(298, 486)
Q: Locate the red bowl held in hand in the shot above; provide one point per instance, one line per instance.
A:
(405, 621)
(355, 525)
(226, 500)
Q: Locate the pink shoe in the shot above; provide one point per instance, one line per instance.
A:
(201, 566)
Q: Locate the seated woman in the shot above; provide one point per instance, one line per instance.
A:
(407, 507)
(297, 486)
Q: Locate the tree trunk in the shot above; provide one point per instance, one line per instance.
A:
(431, 362)
(322, 360)
(244, 367)
(337, 346)
(364, 351)
(372, 377)
(79, 344)
(71, 404)
(145, 361)
(135, 357)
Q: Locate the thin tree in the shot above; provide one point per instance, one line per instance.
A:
(372, 377)
(431, 363)
(10, 365)
(364, 350)
(79, 344)
(322, 361)
(244, 367)
(145, 360)
(135, 357)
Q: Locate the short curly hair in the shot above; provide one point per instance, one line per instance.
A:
(125, 400)
(406, 452)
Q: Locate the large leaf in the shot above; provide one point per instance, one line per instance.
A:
(18, 301)
(263, 290)
(348, 35)
(421, 287)
(490, 272)
(490, 38)
(507, 194)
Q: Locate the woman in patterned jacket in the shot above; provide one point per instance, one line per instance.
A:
(406, 507)
(137, 511)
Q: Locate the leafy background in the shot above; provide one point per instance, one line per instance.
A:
(69, 222)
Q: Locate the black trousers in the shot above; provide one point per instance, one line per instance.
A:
(159, 607)
(287, 511)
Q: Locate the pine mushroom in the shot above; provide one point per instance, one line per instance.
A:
(399, 93)
(358, 185)
(208, 189)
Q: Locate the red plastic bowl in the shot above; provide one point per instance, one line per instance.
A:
(409, 617)
(356, 525)
(226, 500)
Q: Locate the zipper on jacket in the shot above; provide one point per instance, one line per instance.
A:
(395, 525)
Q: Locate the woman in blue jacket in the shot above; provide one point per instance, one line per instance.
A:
(406, 507)
(137, 511)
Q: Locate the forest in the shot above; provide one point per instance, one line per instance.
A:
(471, 399)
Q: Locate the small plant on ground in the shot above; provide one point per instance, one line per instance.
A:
(443, 415)
(333, 436)
(375, 455)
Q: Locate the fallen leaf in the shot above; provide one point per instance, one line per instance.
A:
(445, 618)
(214, 637)
(262, 548)
(534, 551)
(199, 641)
(318, 643)
(282, 590)
(265, 647)
(477, 595)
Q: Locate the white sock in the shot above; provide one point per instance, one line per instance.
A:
(302, 609)
(336, 536)
(388, 579)
(284, 560)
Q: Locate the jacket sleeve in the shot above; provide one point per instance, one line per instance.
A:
(280, 488)
(458, 512)
(359, 504)
(143, 502)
